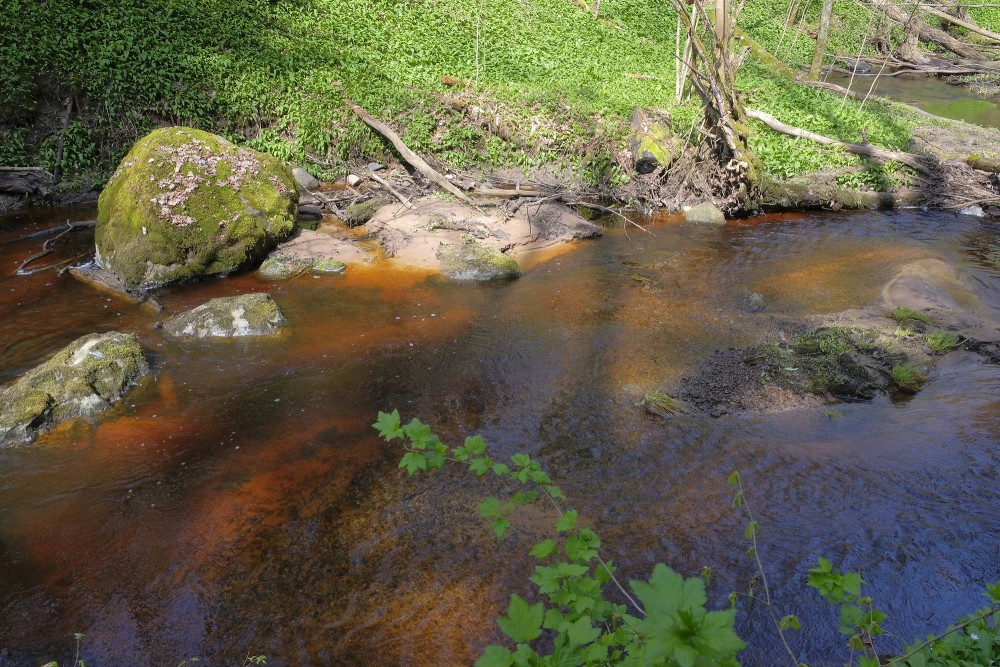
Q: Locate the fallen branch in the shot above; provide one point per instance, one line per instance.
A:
(418, 162)
(395, 193)
(46, 250)
(971, 27)
(866, 150)
(605, 209)
(52, 230)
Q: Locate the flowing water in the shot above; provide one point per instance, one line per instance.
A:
(240, 501)
(932, 94)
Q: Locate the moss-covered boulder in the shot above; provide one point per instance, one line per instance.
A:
(186, 204)
(471, 260)
(228, 317)
(84, 378)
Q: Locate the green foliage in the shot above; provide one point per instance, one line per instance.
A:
(666, 621)
(905, 314)
(575, 623)
(940, 341)
(907, 377)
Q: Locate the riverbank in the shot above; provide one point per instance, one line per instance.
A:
(480, 94)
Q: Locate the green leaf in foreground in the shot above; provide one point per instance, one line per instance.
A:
(388, 426)
(523, 622)
(495, 656)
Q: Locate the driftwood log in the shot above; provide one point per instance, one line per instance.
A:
(25, 181)
(418, 162)
(865, 150)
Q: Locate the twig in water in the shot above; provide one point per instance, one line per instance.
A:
(46, 250)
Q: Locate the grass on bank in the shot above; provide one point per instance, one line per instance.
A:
(555, 84)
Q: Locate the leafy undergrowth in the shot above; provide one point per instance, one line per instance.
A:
(529, 83)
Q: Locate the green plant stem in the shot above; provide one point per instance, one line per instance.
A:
(763, 579)
(992, 610)
(600, 560)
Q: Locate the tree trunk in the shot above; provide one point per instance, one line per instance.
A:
(721, 22)
(793, 13)
(821, 39)
(926, 32)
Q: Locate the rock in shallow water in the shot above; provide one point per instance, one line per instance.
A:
(706, 214)
(228, 317)
(84, 378)
(471, 260)
(186, 204)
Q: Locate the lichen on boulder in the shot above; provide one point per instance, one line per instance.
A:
(186, 204)
(84, 378)
(471, 260)
(228, 317)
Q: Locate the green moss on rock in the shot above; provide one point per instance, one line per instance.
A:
(362, 212)
(228, 317)
(84, 378)
(471, 260)
(186, 204)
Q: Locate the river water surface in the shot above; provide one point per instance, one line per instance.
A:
(240, 502)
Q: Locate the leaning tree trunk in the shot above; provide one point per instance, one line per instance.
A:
(721, 168)
(925, 32)
(821, 39)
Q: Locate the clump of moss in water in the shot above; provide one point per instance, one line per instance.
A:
(940, 342)
(908, 378)
(833, 361)
(907, 315)
(661, 404)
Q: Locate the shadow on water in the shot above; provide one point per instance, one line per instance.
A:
(239, 501)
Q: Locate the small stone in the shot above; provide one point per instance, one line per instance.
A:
(304, 179)
(353, 180)
(705, 213)
(974, 211)
(375, 166)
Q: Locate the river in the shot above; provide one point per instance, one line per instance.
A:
(240, 501)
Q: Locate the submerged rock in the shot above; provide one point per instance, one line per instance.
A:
(84, 378)
(186, 204)
(228, 317)
(706, 214)
(362, 212)
(471, 260)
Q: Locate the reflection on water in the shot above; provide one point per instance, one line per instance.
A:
(932, 94)
(239, 501)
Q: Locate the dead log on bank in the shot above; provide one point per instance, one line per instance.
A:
(25, 181)
(418, 162)
(925, 32)
(865, 150)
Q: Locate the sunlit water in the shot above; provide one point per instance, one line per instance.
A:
(240, 502)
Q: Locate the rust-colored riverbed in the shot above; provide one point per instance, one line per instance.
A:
(239, 501)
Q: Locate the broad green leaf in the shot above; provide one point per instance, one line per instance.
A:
(581, 631)
(476, 445)
(751, 530)
(501, 469)
(495, 656)
(523, 622)
(480, 466)
(554, 492)
(790, 622)
(500, 527)
(413, 461)
(544, 549)
(520, 460)
(734, 478)
(489, 508)
(387, 425)
(567, 521)
(419, 434)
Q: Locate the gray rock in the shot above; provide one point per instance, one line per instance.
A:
(375, 166)
(706, 214)
(974, 211)
(471, 260)
(84, 378)
(304, 179)
(353, 180)
(228, 317)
